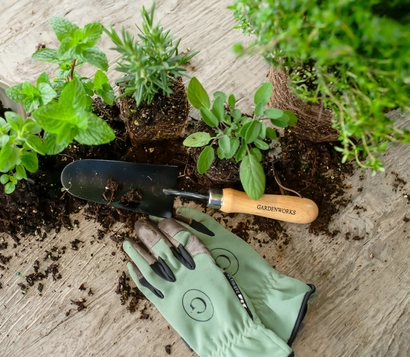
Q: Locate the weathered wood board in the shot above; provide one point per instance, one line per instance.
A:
(361, 307)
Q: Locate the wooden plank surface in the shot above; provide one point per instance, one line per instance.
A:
(361, 307)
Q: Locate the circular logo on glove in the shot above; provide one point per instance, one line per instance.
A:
(226, 260)
(197, 305)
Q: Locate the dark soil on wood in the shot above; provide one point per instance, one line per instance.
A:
(40, 205)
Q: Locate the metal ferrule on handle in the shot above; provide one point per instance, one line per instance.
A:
(215, 199)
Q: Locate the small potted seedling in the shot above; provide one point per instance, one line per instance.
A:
(234, 136)
(153, 99)
(60, 109)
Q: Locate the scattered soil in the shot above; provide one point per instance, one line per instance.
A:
(39, 206)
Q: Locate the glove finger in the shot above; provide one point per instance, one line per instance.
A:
(143, 259)
(203, 218)
(141, 282)
(186, 243)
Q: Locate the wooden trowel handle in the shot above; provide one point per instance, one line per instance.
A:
(282, 208)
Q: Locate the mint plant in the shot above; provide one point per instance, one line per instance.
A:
(236, 136)
(60, 110)
(151, 63)
(77, 47)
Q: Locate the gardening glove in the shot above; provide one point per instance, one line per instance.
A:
(203, 304)
(279, 301)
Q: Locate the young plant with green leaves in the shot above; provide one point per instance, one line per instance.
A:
(151, 63)
(77, 47)
(234, 135)
(60, 110)
(351, 56)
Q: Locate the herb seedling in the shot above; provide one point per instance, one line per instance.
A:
(151, 63)
(235, 135)
(61, 109)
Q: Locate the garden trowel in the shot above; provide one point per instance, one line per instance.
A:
(113, 182)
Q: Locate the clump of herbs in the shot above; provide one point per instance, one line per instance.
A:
(151, 62)
(350, 56)
(236, 136)
(60, 110)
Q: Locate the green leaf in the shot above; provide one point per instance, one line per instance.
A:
(252, 177)
(221, 94)
(100, 78)
(236, 114)
(62, 27)
(240, 154)
(9, 188)
(97, 132)
(35, 143)
(43, 78)
(47, 93)
(21, 172)
(208, 117)
(51, 147)
(4, 179)
(218, 108)
(205, 159)
(30, 161)
(91, 34)
(4, 139)
(234, 143)
(225, 145)
(271, 134)
(259, 109)
(281, 122)
(73, 96)
(4, 127)
(257, 153)
(273, 113)
(252, 131)
(292, 117)
(14, 120)
(261, 144)
(263, 93)
(231, 101)
(106, 93)
(197, 139)
(197, 95)
(26, 94)
(30, 127)
(46, 55)
(95, 57)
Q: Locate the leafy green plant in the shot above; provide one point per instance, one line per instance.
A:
(77, 47)
(151, 63)
(350, 56)
(61, 109)
(236, 136)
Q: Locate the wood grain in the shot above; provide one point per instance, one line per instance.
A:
(361, 307)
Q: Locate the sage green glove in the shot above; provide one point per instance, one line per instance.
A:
(279, 301)
(203, 304)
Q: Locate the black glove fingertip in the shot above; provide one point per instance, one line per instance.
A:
(154, 290)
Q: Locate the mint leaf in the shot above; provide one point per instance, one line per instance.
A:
(46, 55)
(100, 78)
(106, 93)
(91, 34)
(62, 27)
(97, 132)
(51, 147)
(47, 93)
(95, 57)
